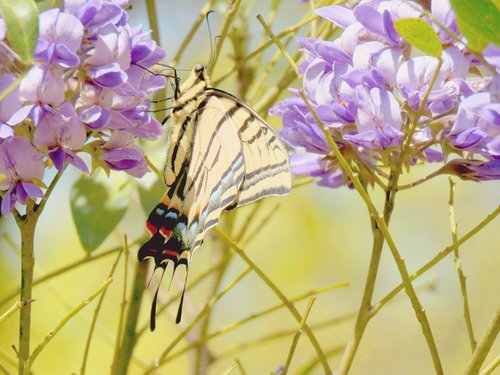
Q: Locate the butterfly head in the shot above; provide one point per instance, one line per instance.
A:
(193, 87)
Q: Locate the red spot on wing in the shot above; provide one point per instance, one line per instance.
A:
(165, 232)
(151, 228)
(153, 250)
(170, 252)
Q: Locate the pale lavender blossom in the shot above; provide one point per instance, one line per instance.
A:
(378, 120)
(42, 86)
(8, 106)
(120, 154)
(475, 170)
(3, 29)
(477, 125)
(62, 131)
(20, 165)
(60, 36)
(95, 14)
(110, 57)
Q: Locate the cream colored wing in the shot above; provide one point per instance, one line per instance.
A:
(267, 168)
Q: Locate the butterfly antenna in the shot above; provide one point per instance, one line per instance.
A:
(212, 51)
(152, 321)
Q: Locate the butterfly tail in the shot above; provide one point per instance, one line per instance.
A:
(166, 244)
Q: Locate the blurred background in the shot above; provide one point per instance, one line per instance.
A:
(312, 238)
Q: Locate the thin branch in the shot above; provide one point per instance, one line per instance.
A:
(153, 22)
(123, 304)
(280, 295)
(491, 367)
(439, 257)
(296, 337)
(233, 6)
(460, 272)
(484, 345)
(13, 309)
(62, 323)
(80, 262)
(231, 327)
(200, 316)
(95, 316)
(185, 42)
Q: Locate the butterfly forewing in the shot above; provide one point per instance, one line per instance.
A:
(267, 170)
(221, 155)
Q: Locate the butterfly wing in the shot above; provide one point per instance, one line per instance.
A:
(267, 168)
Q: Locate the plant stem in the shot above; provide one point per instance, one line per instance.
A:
(364, 313)
(70, 266)
(27, 227)
(185, 42)
(153, 22)
(11, 311)
(122, 358)
(492, 366)
(95, 316)
(281, 296)
(484, 345)
(458, 265)
(195, 321)
(296, 337)
(62, 323)
(363, 316)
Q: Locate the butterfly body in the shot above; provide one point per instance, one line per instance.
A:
(221, 155)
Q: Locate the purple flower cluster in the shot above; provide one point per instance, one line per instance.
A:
(366, 86)
(88, 91)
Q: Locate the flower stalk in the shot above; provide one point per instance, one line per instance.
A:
(124, 354)
(27, 225)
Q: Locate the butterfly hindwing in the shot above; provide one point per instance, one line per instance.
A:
(221, 154)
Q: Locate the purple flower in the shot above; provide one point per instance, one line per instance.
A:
(120, 154)
(8, 106)
(475, 170)
(3, 29)
(318, 166)
(59, 39)
(110, 57)
(144, 50)
(21, 165)
(378, 119)
(61, 131)
(444, 14)
(415, 75)
(42, 86)
(477, 125)
(95, 14)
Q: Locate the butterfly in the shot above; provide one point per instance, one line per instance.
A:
(221, 155)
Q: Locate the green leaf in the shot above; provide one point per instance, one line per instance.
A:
(419, 34)
(151, 197)
(21, 18)
(97, 208)
(478, 21)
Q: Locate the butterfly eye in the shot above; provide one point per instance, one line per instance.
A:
(198, 68)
